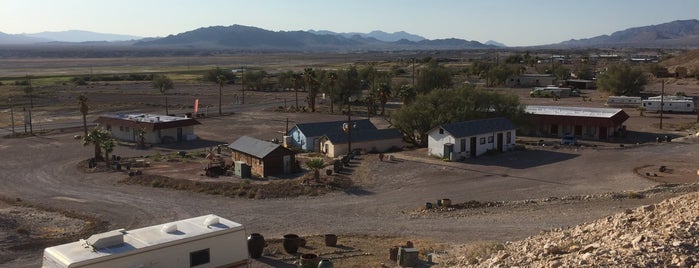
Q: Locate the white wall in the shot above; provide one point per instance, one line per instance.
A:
(436, 141)
(224, 250)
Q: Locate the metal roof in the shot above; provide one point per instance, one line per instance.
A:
(318, 129)
(254, 147)
(572, 111)
(365, 135)
(479, 126)
(147, 121)
(148, 238)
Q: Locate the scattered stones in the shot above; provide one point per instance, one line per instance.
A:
(661, 235)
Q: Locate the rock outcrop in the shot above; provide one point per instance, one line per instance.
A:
(660, 235)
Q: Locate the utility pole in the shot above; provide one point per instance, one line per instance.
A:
(12, 116)
(413, 72)
(349, 126)
(242, 101)
(662, 102)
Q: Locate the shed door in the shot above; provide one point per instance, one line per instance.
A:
(287, 164)
(316, 145)
(578, 131)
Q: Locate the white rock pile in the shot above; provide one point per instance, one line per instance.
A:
(661, 235)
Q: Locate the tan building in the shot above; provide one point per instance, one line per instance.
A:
(157, 128)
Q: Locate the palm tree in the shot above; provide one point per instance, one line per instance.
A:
(296, 79)
(82, 101)
(316, 164)
(384, 91)
(309, 76)
(108, 146)
(96, 137)
(221, 80)
(163, 83)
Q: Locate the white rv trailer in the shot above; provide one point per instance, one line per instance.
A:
(206, 241)
(677, 104)
(623, 101)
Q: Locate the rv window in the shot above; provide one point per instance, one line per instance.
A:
(198, 257)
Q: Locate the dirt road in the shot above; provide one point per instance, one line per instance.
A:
(42, 170)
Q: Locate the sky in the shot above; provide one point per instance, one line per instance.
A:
(512, 22)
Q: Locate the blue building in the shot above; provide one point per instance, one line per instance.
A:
(306, 136)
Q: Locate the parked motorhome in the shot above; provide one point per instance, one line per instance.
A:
(206, 241)
(551, 91)
(623, 101)
(670, 104)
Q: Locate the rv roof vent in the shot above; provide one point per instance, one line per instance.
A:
(169, 228)
(108, 239)
(211, 221)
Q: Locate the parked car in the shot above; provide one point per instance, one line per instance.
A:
(569, 140)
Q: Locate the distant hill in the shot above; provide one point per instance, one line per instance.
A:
(378, 35)
(495, 43)
(680, 33)
(689, 60)
(19, 39)
(82, 36)
(247, 37)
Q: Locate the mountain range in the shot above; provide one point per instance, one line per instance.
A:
(675, 34)
(679, 33)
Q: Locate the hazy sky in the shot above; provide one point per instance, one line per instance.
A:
(513, 22)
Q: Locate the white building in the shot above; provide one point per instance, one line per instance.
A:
(471, 138)
(157, 128)
(206, 241)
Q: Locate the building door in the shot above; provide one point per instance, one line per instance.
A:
(179, 134)
(473, 146)
(287, 164)
(554, 129)
(602, 133)
(499, 142)
(578, 131)
(463, 145)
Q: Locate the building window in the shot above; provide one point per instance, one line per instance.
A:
(109, 127)
(490, 139)
(482, 140)
(199, 257)
(509, 137)
(126, 129)
(121, 128)
(441, 131)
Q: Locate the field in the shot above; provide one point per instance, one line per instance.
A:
(385, 206)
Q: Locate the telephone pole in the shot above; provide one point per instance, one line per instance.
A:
(662, 102)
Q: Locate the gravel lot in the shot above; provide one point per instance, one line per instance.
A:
(42, 171)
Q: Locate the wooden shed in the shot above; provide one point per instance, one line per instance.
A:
(264, 158)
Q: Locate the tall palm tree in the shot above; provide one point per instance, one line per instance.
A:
(82, 101)
(163, 83)
(309, 76)
(221, 80)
